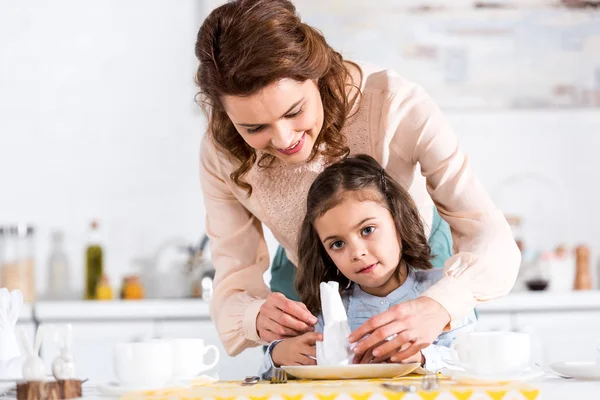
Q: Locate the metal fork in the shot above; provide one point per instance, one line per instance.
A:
(279, 376)
(430, 383)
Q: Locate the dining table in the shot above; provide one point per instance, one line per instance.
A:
(549, 387)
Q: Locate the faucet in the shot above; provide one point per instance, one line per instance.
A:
(199, 266)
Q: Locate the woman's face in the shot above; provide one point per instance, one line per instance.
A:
(284, 119)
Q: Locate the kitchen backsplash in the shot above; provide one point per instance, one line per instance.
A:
(511, 54)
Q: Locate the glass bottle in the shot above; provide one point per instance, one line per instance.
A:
(93, 262)
(58, 268)
(17, 270)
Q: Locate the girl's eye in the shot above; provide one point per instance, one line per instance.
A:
(254, 130)
(368, 230)
(337, 245)
(295, 114)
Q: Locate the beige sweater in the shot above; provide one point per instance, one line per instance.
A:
(399, 125)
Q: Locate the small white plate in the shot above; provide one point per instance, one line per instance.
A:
(115, 389)
(354, 371)
(469, 378)
(578, 370)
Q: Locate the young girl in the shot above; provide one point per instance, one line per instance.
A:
(363, 230)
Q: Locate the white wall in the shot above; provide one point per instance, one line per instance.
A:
(542, 165)
(97, 120)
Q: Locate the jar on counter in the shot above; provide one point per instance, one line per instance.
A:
(103, 290)
(132, 288)
(17, 244)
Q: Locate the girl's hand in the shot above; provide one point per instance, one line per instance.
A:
(416, 323)
(280, 318)
(297, 350)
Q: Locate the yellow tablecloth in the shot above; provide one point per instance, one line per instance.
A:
(370, 389)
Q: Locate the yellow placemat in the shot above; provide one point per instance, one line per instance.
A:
(362, 389)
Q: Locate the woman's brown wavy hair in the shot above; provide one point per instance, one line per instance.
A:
(244, 46)
(363, 177)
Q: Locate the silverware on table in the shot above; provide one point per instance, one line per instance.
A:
(430, 383)
(250, 380)
(399, 387)
(279, 376)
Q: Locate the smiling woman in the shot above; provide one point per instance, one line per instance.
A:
(282, 105)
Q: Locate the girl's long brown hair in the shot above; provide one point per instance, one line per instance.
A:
(244, 46)
(355, 174)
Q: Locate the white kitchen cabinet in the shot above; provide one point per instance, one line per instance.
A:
(229, 368)
(562, 336)
(26, 322)
(494, 322)
(566, 326)
(92, 346)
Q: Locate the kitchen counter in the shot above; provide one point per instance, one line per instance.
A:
(26, 313)
(121, 310)
(198, 309)
(544, 301)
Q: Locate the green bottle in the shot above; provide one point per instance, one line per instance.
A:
(93, 262)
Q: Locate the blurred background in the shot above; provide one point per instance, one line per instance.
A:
(99, 135)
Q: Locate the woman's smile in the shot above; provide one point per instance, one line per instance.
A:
(295, 147)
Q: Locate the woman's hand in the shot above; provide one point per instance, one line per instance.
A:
(280, 318)
(416, 324)
(299, 350)
(368, 358)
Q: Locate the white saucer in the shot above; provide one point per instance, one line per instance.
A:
(115, 389)
(470, 378)
(578, 370)
(354, 371)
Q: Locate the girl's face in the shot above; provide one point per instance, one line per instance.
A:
(361, 239)
(283, 119)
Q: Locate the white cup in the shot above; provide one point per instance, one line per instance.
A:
(143, 364)
(188, 357)
(494, 353)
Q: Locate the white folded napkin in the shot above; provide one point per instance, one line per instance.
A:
(335, 349)
(10, 307)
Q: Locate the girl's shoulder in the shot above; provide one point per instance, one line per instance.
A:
(424, 278)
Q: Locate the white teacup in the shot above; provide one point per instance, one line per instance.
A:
(143, 364)
(494, 353)
(188, 357)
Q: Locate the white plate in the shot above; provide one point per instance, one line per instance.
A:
(115, 389)
(579, 370)
(354, 371)
(469, 378)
